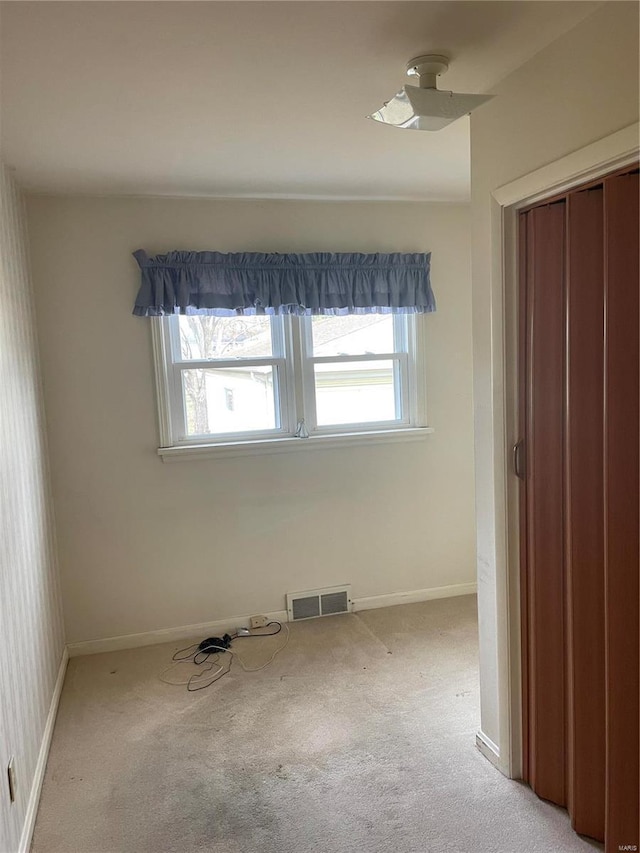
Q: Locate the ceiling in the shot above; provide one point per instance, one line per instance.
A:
(256, 99)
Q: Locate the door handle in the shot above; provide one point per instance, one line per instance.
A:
(518, 460)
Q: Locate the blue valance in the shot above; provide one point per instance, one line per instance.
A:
(254, 283)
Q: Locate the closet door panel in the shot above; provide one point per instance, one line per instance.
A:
(621, 509)
(584, 513)
(523, 393)
(545, 500)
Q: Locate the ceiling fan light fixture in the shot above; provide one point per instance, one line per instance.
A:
(425, 107)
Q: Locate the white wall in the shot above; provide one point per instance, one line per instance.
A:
(146, 545)
(31, 630)
(581, 88)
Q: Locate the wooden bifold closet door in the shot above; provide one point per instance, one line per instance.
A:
(580, 559)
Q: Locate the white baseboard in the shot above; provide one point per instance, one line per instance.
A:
(490, 750)
(204, 629)
(166, 635)
(374, 601)
(38, 776)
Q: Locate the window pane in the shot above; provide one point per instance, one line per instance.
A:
(225, 337)
(238, 399)
(354, 392)
(352, 335)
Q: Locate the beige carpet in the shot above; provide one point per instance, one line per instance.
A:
(359, 737)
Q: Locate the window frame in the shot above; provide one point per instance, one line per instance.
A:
(294, 390)
(409, 413)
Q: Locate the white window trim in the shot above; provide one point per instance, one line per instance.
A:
(181, 452)
(298, 391)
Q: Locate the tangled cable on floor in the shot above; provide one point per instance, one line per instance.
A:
(213, 647)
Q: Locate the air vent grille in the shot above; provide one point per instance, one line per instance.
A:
(334, 602)
(306, 608)
(318, 602)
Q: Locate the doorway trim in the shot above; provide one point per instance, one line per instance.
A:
(589, 163)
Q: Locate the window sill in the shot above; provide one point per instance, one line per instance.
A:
(184, 452)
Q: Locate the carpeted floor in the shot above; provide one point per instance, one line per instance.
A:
(359, 737)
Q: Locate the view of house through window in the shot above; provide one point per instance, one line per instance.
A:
(352, 391)
(257, 376)
(234, 398)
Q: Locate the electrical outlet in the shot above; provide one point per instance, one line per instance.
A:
(258, 621)
(11, 777)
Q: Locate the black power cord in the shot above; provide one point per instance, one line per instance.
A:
(211, 646)
(266, 634)
(199, 653)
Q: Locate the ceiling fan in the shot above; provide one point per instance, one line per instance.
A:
(425, 107)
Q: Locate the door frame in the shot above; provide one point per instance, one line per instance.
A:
(589, 163)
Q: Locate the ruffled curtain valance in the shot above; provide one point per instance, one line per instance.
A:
(253, 283)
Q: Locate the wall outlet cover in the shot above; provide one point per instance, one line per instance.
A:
(11, 777)
(258, 621)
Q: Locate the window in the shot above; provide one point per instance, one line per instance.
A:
(251, 379)
(234, 383)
